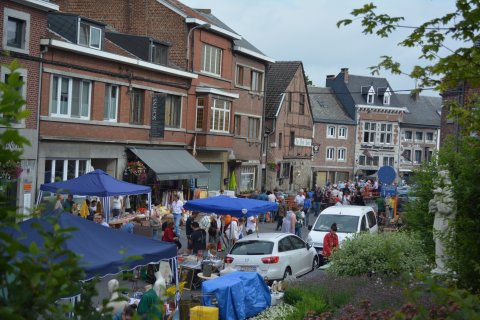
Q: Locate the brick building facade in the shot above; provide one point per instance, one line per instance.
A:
(23, 24)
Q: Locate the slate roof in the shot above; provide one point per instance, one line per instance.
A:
(326, 108)
(279, 76)
(241, 43)
(355, 84)
(422, 110)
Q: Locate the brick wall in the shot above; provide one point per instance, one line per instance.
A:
(38, 25)
(140, 17)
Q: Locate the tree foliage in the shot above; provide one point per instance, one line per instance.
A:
(431, 37)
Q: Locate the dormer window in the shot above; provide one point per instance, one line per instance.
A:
(386, 97)
(159, 54)
(371, 96)
(89, 36)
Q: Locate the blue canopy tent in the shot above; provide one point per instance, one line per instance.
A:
(97, 183)
(99, 247)
(102, 250)
(236, 207)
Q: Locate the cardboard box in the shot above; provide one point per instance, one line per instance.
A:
(203, 313)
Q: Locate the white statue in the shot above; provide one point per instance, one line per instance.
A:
(118, 305)
(444, 207)
(160, 286)
(166, 271)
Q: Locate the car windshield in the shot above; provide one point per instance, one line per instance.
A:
(345, 224)
(252, 248)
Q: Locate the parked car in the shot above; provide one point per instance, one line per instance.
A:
(349, 219)
(273, 255)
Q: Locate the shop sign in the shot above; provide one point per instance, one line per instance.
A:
(303, 142)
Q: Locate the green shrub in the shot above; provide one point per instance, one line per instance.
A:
(305, 300)
(386, 254)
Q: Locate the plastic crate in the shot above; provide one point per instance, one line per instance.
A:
(203, 313)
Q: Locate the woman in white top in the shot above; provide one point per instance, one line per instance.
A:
(117, 206)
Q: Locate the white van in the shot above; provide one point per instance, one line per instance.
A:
(349, 220)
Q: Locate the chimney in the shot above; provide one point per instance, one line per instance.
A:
(345, 74)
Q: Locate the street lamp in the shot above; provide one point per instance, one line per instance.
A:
(204, 26)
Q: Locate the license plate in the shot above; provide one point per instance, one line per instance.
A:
(248, 268)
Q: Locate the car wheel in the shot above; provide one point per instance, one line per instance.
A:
(315, 263)
(287, 273)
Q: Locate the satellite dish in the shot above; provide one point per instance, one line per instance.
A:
(387, 174)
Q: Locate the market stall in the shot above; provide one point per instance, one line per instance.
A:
(102, 251)
(236, 207)
(96, 183)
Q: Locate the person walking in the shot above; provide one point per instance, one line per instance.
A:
(177, 210)
(307, 205)
(282, 210)
(289, 222)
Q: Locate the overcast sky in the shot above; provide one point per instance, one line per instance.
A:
(305, 30)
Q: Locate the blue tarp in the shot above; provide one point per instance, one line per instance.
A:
(98, 246)
(237, 207)
(96, 183)
(240, 295)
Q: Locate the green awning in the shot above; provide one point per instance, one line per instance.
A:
(171, 164)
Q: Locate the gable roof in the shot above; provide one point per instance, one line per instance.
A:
(422, 110)
(326, 108)
(242, 44)
(355, 84)
(279, 76)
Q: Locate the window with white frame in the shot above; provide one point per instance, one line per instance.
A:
(220, 119)
(111, 103)
(386, 133)
(429, 136)
(369, 129)
(331, 132)
(330, 154)
(253, 128)
(257, 81)
(342, 133)
(371, 96)
(408, 135)
(200, 113)
(388, 161)
(407, 155)
(386, 97)
(16, 30)
(372, 161)
(419, 136)
(361, 160)
(22, 76)
(70, 97)
(239, 75)
(65, 169)
(212, 59)
(89, 36)
(418, 156)
(173, 111)
(136, 106)
(247, 178)
(341, 154)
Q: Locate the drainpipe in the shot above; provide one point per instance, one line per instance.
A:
(40, 72)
